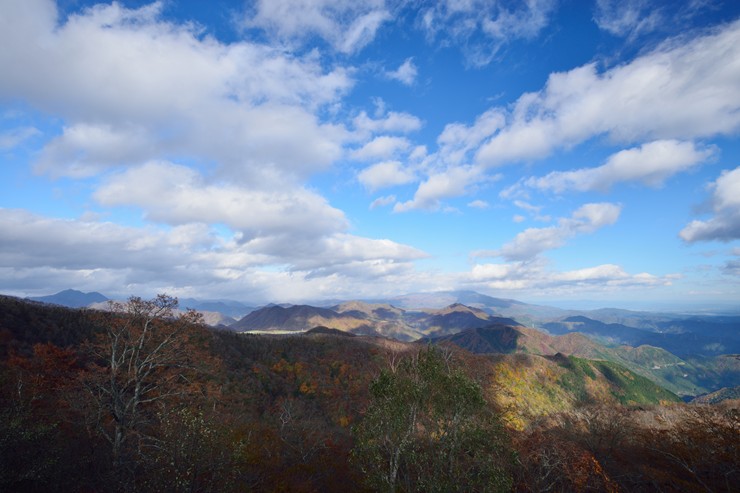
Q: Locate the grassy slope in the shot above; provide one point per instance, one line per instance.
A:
(681, 377)
(531, 386)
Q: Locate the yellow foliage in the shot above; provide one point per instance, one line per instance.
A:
(308, 388)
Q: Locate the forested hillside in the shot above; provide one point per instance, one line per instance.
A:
(142, 399)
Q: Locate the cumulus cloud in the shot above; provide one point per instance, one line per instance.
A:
(190, 257)
(405, 74)
(450, 183)
(457, 140)
(651, 164)
(293, 227)
(664, 100)
(383, 146)
(84, 149)
(385, 174)
(681, 90)
(176, 84)
(347, 25)
(725, 224)
(394, 122)
(174, 194)
(134, 92)
(483, 27)
(536, 275)
(84, 246)
(375, 255)
(533, 241)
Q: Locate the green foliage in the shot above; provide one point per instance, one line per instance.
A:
(429, 428)
(627, 387)
(632, 389)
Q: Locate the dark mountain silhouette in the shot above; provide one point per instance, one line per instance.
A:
(456, 317)
(292, 318)
(321, 330)
(71, 298)
(498, 338)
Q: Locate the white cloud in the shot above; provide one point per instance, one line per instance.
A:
(174, 194)
(479, 204)
(191, 257)
(392, 122)
(385, 174)
(725, 224)
(84, 149)
(536, 276)
(346, 25)
(448, 171)
(483, 27)
(664, 99)
(681, 90)
(533, 210)
(383, 146)
(405, 74)
(533, 241)
(627, 18)
(292, 227)
(450, 183)
(632, 18)
(418, 153)
(87, 246)
(457, 140)
(383, 201)
(243, 105)
(651, 164)
(376, 255)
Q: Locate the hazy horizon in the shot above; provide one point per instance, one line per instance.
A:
(664, 306)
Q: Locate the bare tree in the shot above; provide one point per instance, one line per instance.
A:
(141, 359)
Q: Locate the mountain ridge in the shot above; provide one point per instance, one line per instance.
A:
(682, 377)
(71, 298)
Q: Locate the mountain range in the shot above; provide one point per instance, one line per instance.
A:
(688, 355)
(683, 337)
(687, 377)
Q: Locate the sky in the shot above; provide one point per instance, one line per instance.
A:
(290, 150)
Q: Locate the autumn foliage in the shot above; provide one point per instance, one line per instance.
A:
(145, 398)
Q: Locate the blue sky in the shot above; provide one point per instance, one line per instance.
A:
(548, 151)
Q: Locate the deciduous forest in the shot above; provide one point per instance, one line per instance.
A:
(143, 398)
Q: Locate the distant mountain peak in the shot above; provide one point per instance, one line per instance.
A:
(72, 298)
